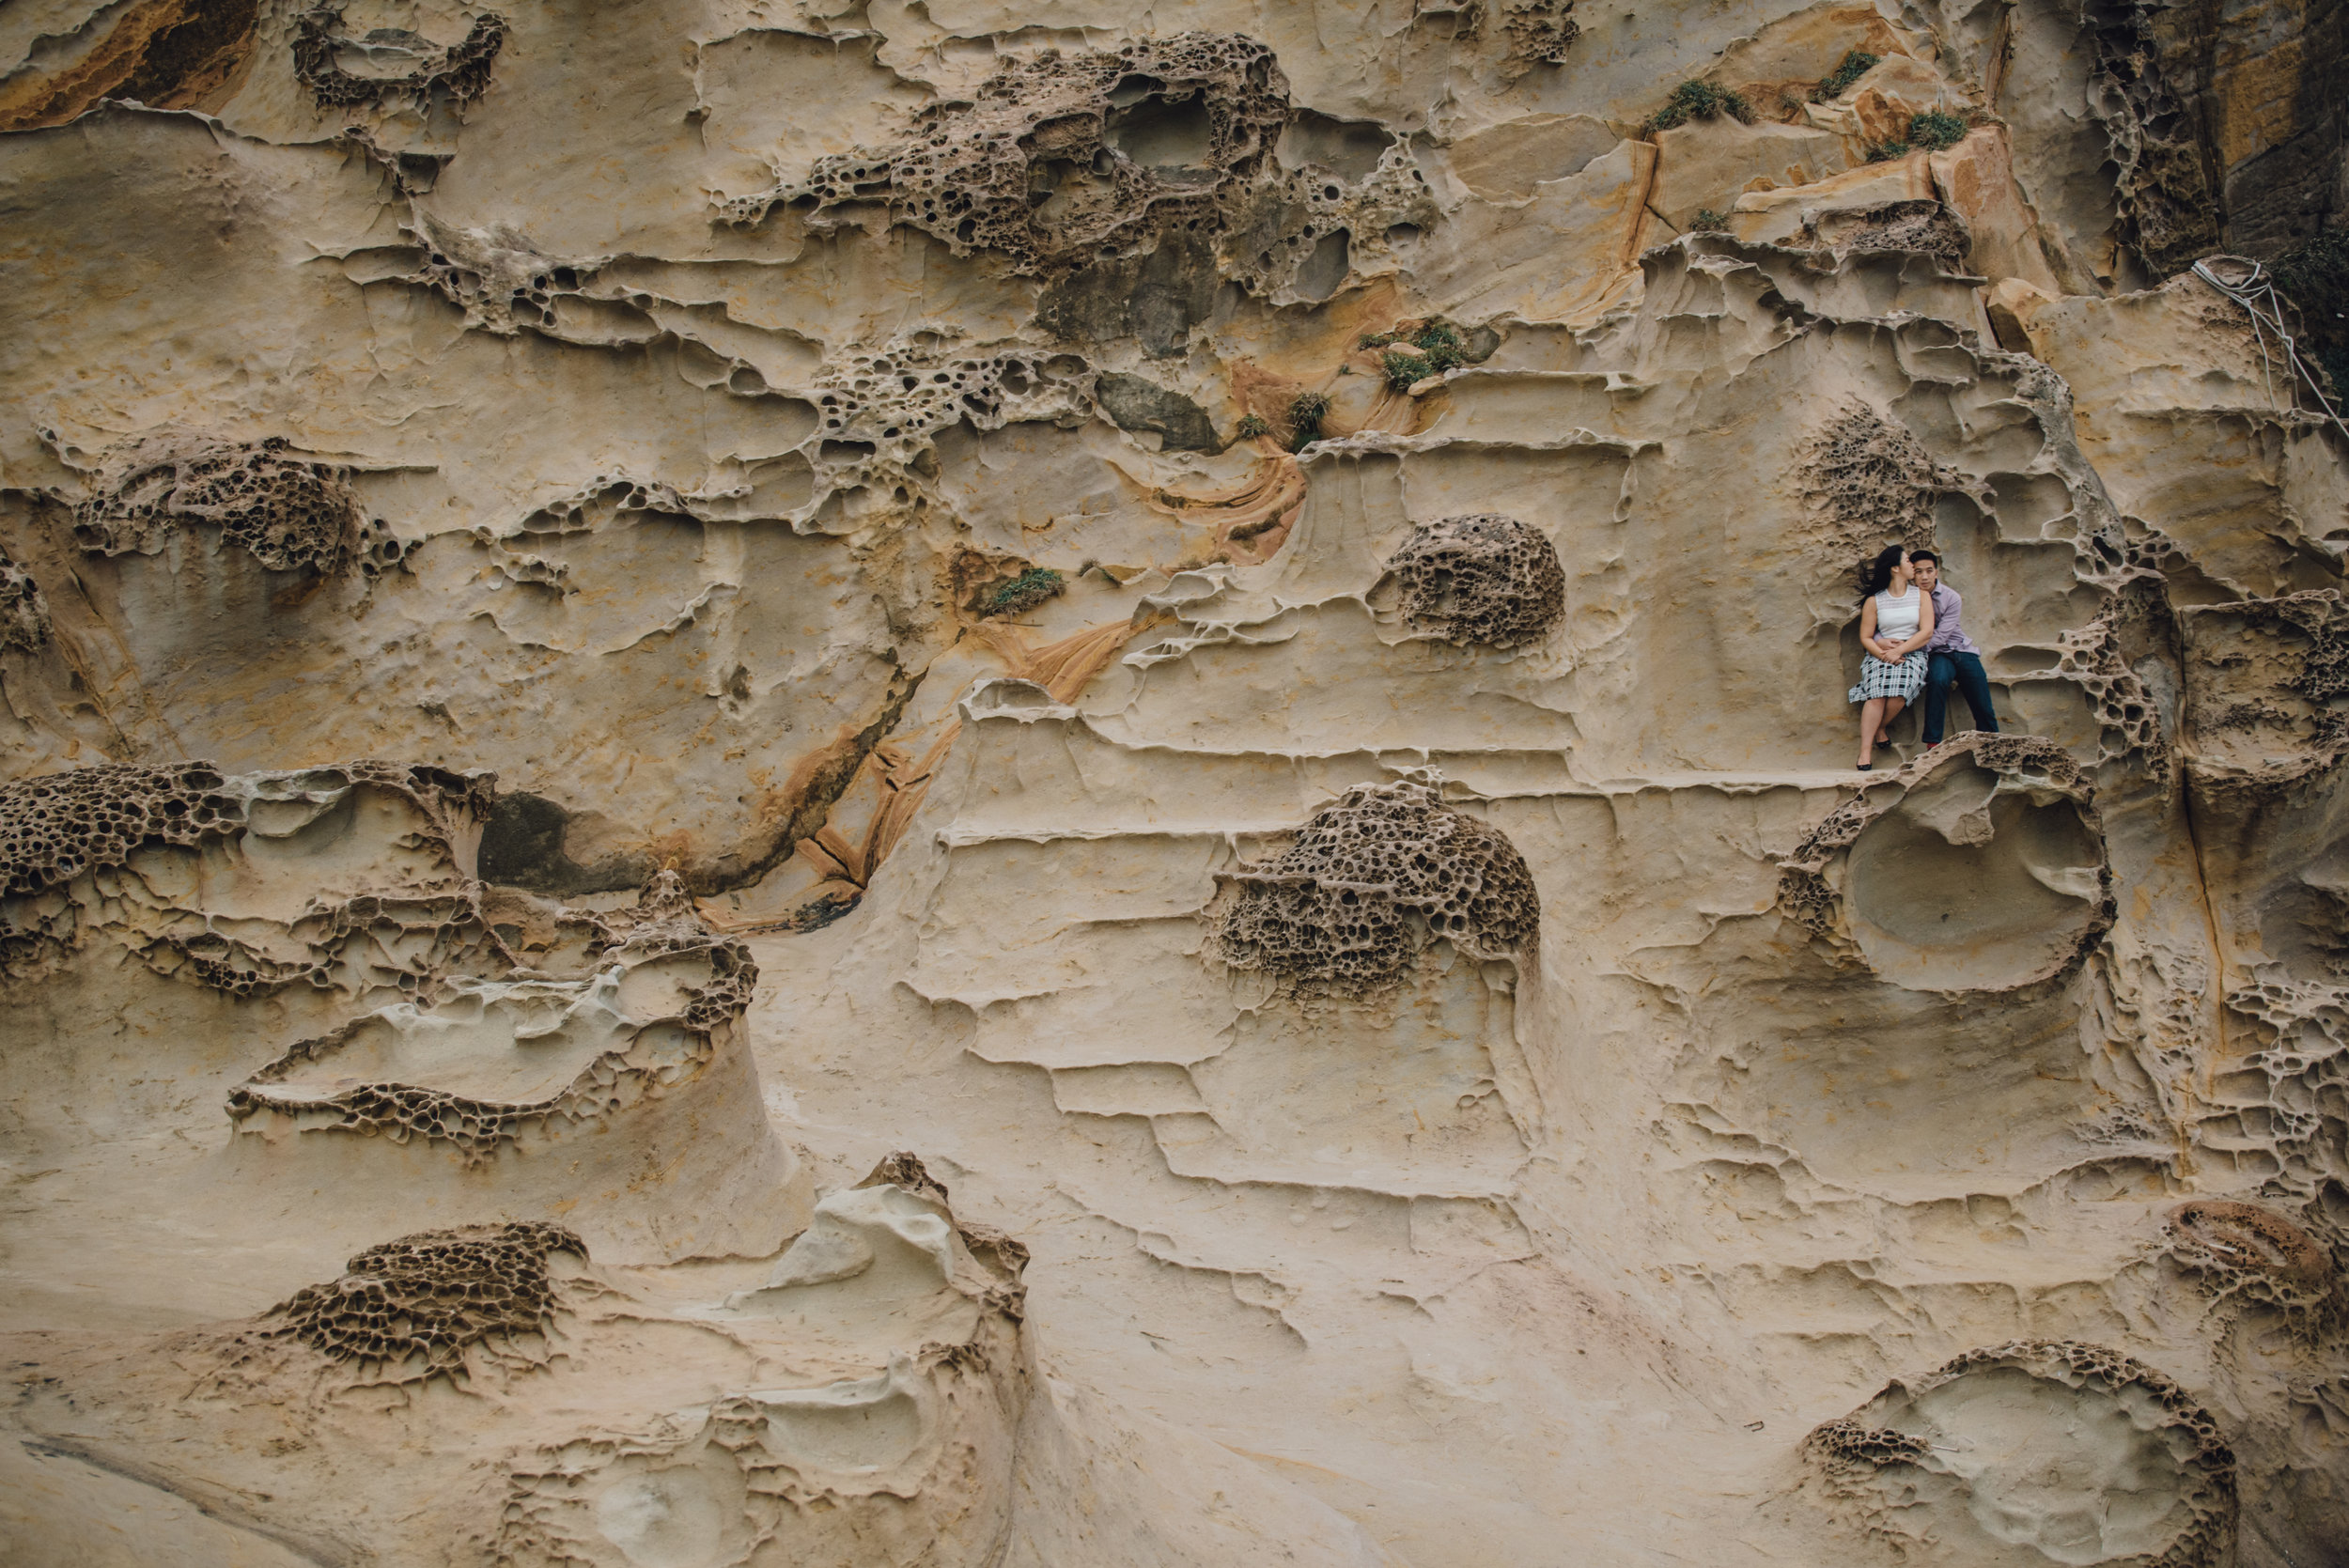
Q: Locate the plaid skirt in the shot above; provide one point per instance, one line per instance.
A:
(1879, 680)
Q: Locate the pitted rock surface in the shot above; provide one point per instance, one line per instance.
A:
(415, 1306)
(461, 70)
(1886, 1462)
(1876, 482)
(292, 515)
(24, 613)
(1369, 882)
(55, 828)
(1484, 578)
(1063, 158)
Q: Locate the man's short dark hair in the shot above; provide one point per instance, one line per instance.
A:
(1916, 555)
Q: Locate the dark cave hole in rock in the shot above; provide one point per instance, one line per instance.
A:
(1159, 133)
(1131, 89)
(1156, 296)
(1349, 149)
(1055, 185)
(521, 845)
(2019, 658)
(418, 171)
(1133, 403)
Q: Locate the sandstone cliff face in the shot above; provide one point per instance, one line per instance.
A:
(1114, 820)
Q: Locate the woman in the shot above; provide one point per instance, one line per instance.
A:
(1895, 623)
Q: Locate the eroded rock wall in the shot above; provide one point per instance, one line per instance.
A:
(1222, 632)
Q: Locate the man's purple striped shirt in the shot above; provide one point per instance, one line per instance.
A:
(1947, 637)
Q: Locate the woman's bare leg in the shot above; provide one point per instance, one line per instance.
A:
(1892, 706)
(1871, 721)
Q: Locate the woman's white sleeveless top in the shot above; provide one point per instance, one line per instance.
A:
(1896, 617)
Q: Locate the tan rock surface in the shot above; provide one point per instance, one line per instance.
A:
(1116, 820)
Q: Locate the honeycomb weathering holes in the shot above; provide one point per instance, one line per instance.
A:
(477, 1128)
(24, 613)
(1875, 481)
(416, 1305)
(461, 70)
(1370, 882)
(2322, 619)
(2241, 1241)
(56, 826)
(1481, 579)
(1914, 227)
(292, 514)
(896, 396)
(2078, 1452)
(357, 1080)
(1044, 161)
(1540, 33)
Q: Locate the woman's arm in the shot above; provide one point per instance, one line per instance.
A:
(1924, 629)
(1868, 628)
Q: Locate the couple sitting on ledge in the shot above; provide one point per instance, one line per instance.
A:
(1908, 626)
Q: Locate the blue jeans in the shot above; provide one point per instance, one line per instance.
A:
(1964, 672)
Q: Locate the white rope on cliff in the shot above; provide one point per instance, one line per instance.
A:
(2255, 291)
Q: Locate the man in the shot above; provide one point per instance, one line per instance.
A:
(1951, 657)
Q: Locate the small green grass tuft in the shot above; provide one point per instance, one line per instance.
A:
(1856, 65)
(1441, 343)
(1305, 416)
(1024, 593)
(1698, 100)
(1936, 131)
(1708, 222)
(1252, 425)
(1430, 349)
(1404, 369)
(1884, 152)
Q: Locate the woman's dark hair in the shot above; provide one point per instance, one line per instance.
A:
(1878, 575)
